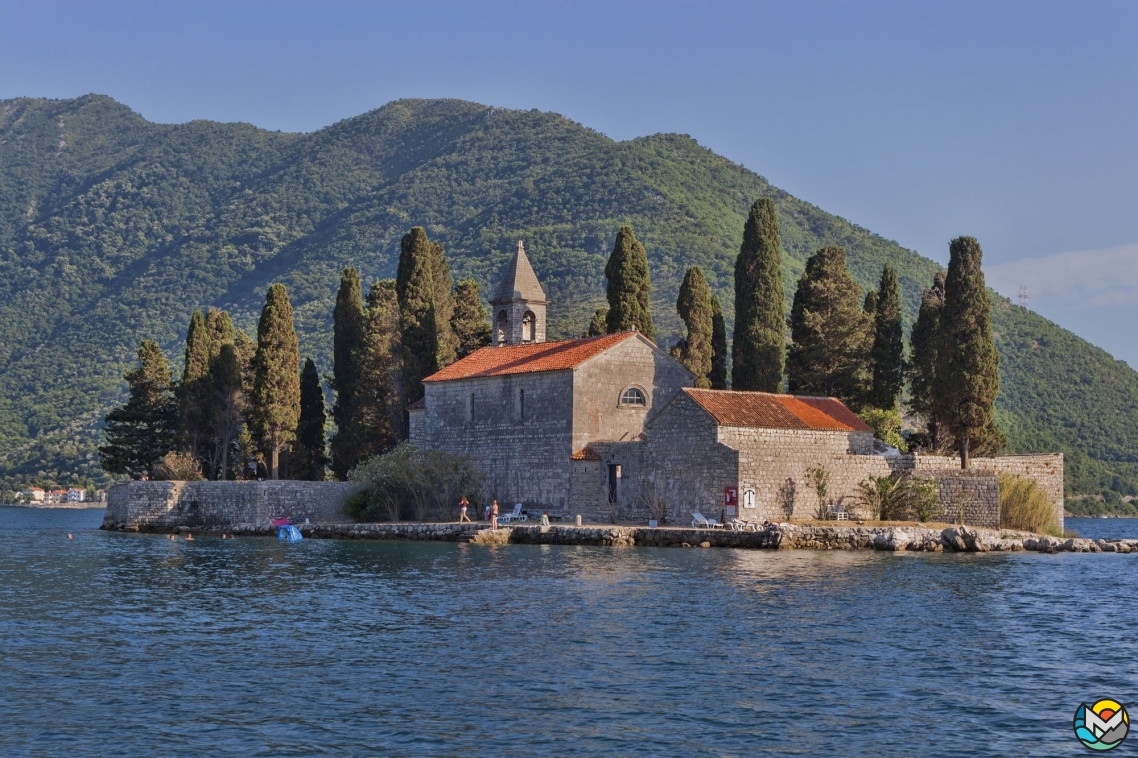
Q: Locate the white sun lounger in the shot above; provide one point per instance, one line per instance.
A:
(699, 520)
(514, 515)
(743, 526)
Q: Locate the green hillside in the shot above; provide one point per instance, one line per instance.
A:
(113, 229)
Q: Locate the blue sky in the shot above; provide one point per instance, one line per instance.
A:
(1016, 123)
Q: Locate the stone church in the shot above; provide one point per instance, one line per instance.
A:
(612, 428)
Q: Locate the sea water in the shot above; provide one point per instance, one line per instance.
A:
(124, 644)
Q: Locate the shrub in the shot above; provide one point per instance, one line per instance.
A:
(891, 498)
(410, 482)
(819, 479)
(1026, 507)
(886, 427)
(177, 467)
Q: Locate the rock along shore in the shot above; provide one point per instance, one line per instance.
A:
(962, 539)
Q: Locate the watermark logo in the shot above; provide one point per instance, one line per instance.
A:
(1102, 725)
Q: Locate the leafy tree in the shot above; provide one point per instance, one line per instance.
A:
(230, 401)
(599, 323)
(448, 341)
(968, 377)
(718, 374)
(628, 286)
(414, 285)
(194, 393)
(828, 328)
(143, 430)
(760, 303)
(276, 382)
(347, 342)
(468, 321)
(379, 407)
(694, 307)
(887, 357)
(309, 457)
(923, 362)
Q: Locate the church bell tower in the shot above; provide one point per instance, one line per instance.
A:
(518, 304)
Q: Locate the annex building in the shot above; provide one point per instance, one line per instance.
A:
(612, 428)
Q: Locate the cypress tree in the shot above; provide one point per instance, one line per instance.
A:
(276, 381)
(760, 304)
(887, 358)
(468, 321)
(718, 374)
(143, 430)
(628, 286)
(870, 303)
(380, 406)
(347, 341)
(828, 327)
(194, 392)
(220, 329)
(599, 323)
(444, 306)
(968, 379)
(694, 306)
(923, 361)
(230, 401)
(309, 458)
(414, 286)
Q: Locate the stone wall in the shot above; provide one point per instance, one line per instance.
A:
(517, 428)
(157, 506)
(968, 497)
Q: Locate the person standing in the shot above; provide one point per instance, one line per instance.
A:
(494, 515)
(462, 506)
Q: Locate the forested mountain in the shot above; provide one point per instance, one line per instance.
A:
(114, 229)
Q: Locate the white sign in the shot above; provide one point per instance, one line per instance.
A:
(748, 498)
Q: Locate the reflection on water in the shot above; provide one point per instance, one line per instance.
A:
(135, 645)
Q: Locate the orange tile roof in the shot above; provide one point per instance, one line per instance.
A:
(585, 454)
(765, 410)
(527, 359)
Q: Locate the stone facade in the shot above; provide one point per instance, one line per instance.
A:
(522, 428)
(159, 506)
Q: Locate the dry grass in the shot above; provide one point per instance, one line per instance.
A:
(1024, 506)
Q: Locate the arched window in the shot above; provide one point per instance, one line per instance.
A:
(634, 397)
(527, 326)
(502, 327)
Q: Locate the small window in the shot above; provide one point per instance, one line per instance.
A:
(633, 396)
(502, 327)
(528, 321)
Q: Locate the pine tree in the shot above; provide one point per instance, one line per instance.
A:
(230, 401)
(628, 286)
(347, 342)
(415, 288)
(380, 407)
(143, 430)
(828, 327)
(968, 376)
(195, 401)
(444, 306)
(887, 357)
(468, 321)
(694, 306)
(275, 403)
(922, 369)
(718, 374)
(599, 323)
(309, 458)
(760, 304)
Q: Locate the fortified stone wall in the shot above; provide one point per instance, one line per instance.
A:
(164, 505)
(968, 497)
(517, 428)
(1045, 469)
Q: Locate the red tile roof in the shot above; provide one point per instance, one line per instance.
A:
(585, 454)
(769, 411)
(527, 359)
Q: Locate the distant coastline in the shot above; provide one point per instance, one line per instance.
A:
(54, 506)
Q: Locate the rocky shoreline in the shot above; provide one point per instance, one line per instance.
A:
(960, 539)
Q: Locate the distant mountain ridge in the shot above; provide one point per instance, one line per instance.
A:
(113, 229)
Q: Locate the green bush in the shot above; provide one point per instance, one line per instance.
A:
(1026, 507)
(886, 427)
(891, 498)
(408, 482)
